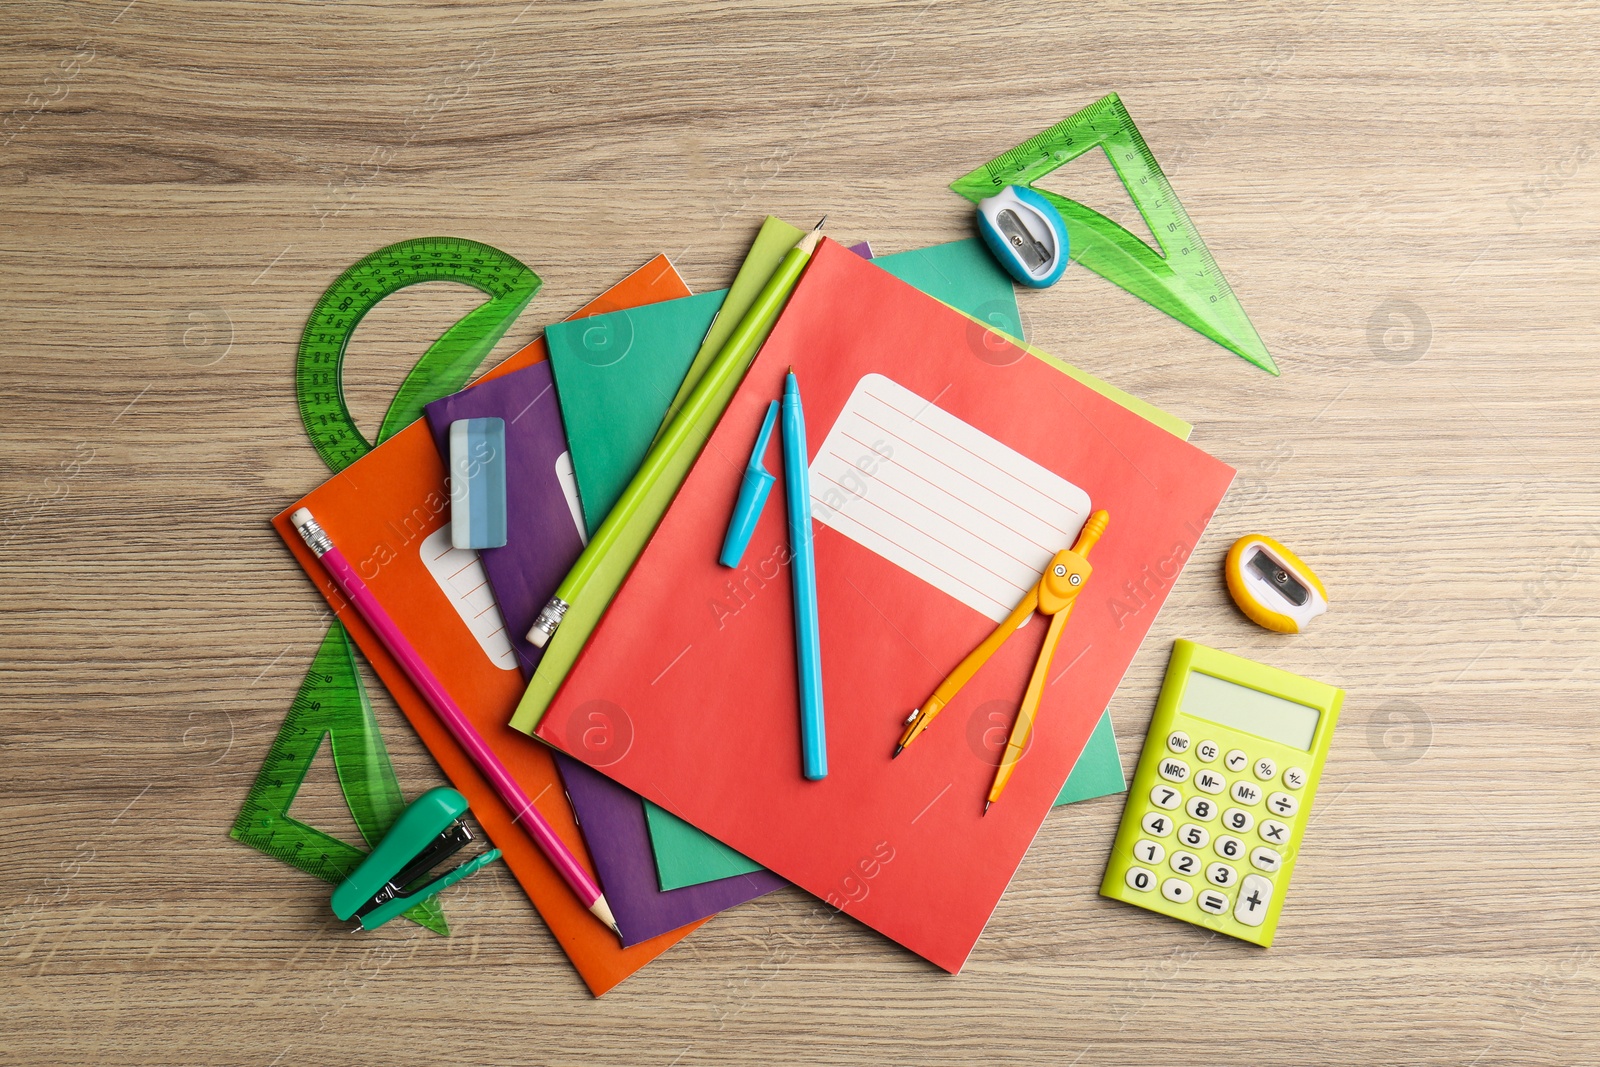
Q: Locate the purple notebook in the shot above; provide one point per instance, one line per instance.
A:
(627, 866)
(542, 521)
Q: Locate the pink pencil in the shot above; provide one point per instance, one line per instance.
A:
(523, 811)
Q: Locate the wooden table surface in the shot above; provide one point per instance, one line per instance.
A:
(1403, 200)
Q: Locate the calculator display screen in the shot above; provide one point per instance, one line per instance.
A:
(1250, 710)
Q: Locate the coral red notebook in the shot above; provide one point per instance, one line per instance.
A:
(389, 512)
(947, 467)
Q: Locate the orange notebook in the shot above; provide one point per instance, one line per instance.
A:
(389, 512)
(947, 467)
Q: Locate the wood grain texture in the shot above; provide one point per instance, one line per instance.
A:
(1403, 199)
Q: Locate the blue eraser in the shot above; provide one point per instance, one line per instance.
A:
(478, 483)
(1026, 234)
(753, 492)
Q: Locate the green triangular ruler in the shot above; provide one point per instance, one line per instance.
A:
(332, 703)
(1183, 279)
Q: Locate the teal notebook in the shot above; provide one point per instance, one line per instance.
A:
(615, 376)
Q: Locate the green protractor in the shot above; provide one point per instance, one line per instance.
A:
(1183, 280)
(443, 369)
(332, 701)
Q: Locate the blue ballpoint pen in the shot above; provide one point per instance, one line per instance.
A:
(803, 566)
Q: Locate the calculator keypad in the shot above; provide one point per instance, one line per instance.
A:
(1223, 858)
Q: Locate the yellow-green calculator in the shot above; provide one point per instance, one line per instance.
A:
(1223, 792)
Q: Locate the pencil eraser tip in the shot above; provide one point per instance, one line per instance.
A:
(300, 517)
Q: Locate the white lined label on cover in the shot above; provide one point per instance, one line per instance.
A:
(461, 579)
(942, 499)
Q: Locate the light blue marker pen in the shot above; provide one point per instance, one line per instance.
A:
(807, 638)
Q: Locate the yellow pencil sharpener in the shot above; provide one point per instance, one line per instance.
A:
(1272, 586)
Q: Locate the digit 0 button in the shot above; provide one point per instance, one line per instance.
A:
(1140, 879)
(1255, 893)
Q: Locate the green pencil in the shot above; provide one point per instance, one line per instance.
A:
(733, 360)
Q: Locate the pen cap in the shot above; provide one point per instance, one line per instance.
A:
(753, 491)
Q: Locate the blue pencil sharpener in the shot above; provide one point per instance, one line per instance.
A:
(1026, 234)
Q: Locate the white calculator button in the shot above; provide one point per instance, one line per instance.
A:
(1206, 751)
(1184, 862)
(1156, 824)
(1229, 847)
(1164, 796)
(1255, 893)
(1236, 760)
(1173, 770)
(1140, 879)
(1266, 859)
(1177, 890)
(1294, 778)
(1274, 832)
(1238, 819)
(1221, 874)
(1202, 809)
(1283, 804)
(1246, 792)
(1265, 769)
(1210, 782)
(1214, 902)
(1178, 741)
(1193, 836)
(1149, 852)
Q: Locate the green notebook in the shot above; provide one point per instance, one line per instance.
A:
(616, 376)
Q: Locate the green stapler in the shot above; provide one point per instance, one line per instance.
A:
(425, 834)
